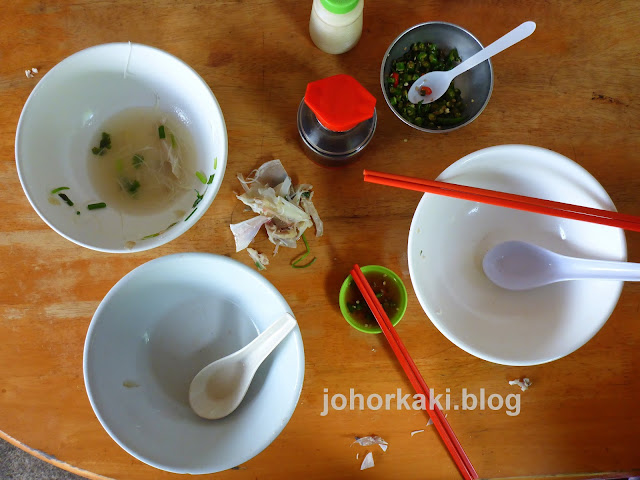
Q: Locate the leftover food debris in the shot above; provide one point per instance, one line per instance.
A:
(130, 384)
(415, 432)
(286, 211)
(367, 462)
(30, 73)
(524, 384)
(372, 440)
(430, 422)
(259, 259)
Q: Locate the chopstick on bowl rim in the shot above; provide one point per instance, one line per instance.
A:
(508, 200)
(437, 417)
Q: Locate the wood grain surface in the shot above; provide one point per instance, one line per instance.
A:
(573, 87)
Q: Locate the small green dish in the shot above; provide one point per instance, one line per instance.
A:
(346, 292)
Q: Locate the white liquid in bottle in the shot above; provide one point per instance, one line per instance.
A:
(335, 26)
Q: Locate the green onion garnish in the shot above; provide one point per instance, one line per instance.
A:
(189, 216)
(201, 176)
(96, 206)
(132, 187)
(159, 233)
(303, 256)
(211, 179)
(66, 199)
(137, 160)
(215, 163)
(105, 144)
(198, 199)
(59, 189)
(174, 144)
(161, 133)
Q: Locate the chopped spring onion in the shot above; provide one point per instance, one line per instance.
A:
(105, 144)
(137, 160)
(189, 216)
(198, 199)
(161, 133)
(158, 233)
(129, 186)
(215, 163)
(66, 199)
(96, 206)
(59, 189)
(201, 176)
(303, 256)
(174, 143)
(210, 179)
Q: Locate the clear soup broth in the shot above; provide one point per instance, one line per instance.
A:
(141, 160)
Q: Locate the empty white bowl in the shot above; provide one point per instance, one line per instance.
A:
(156, 329)
(66, 111)
(449, 238)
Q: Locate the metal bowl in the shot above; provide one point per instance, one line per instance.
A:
(475, 84)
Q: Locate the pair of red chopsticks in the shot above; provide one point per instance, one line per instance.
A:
(437, 417)
(509, 200)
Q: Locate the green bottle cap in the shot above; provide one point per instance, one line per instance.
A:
(339, 6)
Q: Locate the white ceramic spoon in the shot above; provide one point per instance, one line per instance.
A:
(218, 388)
(438, 82)
(518, 265)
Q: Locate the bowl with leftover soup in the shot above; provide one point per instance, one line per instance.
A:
(121, 147)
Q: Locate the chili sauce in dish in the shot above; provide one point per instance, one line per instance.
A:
(385, 289)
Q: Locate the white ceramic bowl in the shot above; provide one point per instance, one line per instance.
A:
(159, 326)
(63, 115)
(449, 238)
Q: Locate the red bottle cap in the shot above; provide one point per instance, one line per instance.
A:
(339, 102)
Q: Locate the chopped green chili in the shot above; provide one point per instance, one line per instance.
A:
(96, 206)
(420, 59)
(161, 133)
(66, 199)
(105, 144)
(201, 176)
(137, 160)
(303, 256)
(59, 189)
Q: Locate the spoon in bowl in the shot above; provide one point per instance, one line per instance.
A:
(435, 84)
(516, 265)
(218, 388)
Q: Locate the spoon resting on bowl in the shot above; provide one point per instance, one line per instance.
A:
(218, 389)
(516, 265)
(431, 86)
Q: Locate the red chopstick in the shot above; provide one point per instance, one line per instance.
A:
(508, 200)
(437, 417)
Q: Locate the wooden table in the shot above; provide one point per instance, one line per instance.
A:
(573, 87)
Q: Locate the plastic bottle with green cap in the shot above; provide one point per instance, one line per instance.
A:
(335, 26)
